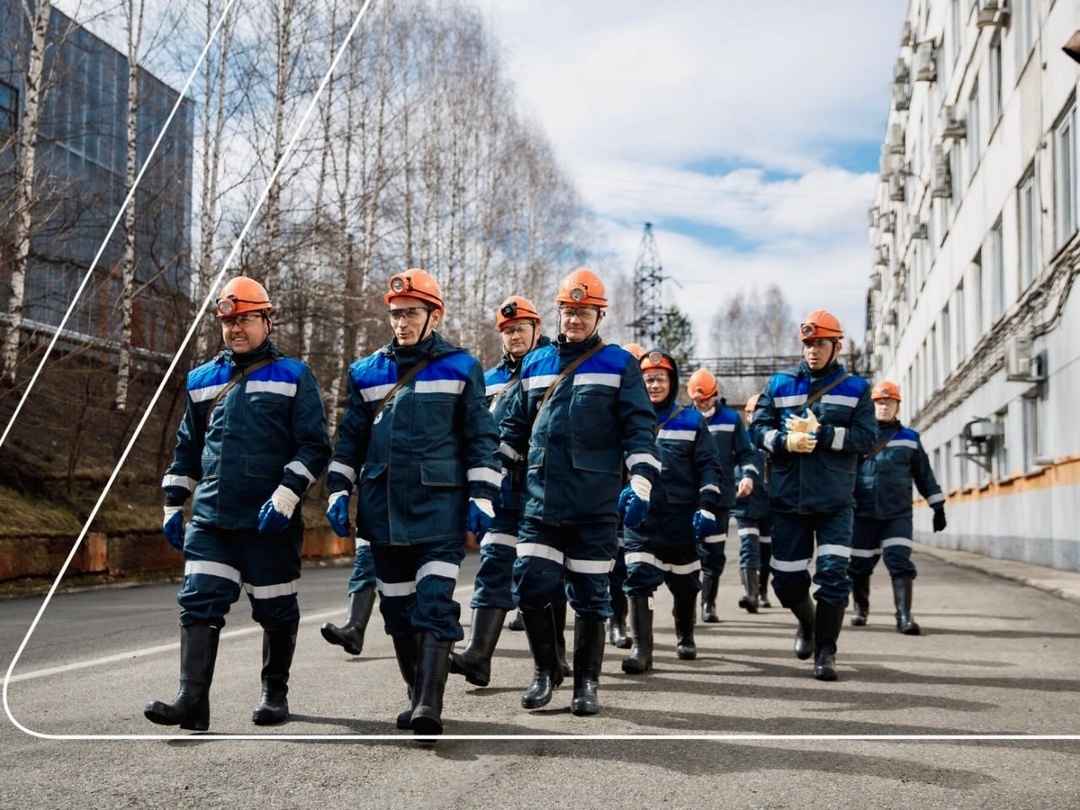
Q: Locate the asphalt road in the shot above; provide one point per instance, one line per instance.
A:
(995, 674)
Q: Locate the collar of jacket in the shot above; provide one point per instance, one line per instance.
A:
(511, 365)
(434, 345)
(241, 361)
(568, 349)
(895, 423)
(834, 369)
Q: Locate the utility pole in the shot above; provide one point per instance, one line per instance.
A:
(648, 292)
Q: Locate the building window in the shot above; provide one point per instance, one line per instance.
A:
(962, 470)
(977, 295)
(973, 138)
(1032, 434)
(997, 272)
(1028, 226)
(946, 478)
(935, 367)
(9, 108)
(1023, 20)
(956, 174)
(995, 80)
(954, 33)
(939, 472)
(1065, 176)
(961, 326)
(1001, 445)
(946, 342)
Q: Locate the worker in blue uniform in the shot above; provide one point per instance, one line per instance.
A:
(736, 453)
(814, 421)
(883, 508)
(252, 440)
(580, 415)
(419, 444)
(684, 505)
(519, 325)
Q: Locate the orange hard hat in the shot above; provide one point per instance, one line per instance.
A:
(820, 324)
(582, 287)
(415, 283)
(516, 308)
(656, 359)
(635, 349)
(243, 294)
(886, 389)
(751, 403)
(702, 385)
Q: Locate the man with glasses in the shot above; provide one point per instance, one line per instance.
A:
(518, 323)
(252, 440)
(815, 421)
(580, 413)
(419, 443)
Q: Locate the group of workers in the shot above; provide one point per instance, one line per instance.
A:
(585, 480)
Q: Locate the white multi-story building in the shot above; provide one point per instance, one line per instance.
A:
(973, 309)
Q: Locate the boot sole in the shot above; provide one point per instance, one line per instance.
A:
(857, 622)
(158, 717)
(266, 719)
(334, 638)
(457, 667)
(634, 670)
(825, 675)
(747, 605)
(425, 724)
(584, 710)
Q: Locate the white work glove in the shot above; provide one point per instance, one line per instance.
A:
(277, 512)
(800, 443)
(802, 424)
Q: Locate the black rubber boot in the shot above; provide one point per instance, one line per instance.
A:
(617, 623)
(763, 576)
(902, 587)
(588, 658)
(749, 601)
(540, 631)
(351, 634)
(641, 625)
(827, 624)
(517, 623)
(407, 650)
(190, 709)
(684, 613)
(278, 648)
(709, 587)
(860, 600)
(559, 612)
(431, 670)
(804, 636)
(475, 661)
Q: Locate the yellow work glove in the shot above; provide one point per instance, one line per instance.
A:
(802, 424)
(799, 442)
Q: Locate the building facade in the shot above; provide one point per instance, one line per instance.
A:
(972, 306)
(80, 187)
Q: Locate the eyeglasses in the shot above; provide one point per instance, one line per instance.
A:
(655, 379)
(244, 320)
(515, 329)
(577, 312)
(407, 313)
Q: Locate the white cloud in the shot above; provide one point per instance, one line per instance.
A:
(721, 123)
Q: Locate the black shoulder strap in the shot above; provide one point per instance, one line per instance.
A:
(819, 394)
(246, 372)
(412, 372)
(877, 448)
(566, 372)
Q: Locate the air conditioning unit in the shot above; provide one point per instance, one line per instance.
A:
(872, 217)
(875, 281)
(907, 34)
(993, 13)
(896, 139)
(926, 62)
(883, 341)
(896, 188)
(941, 181)
(901, 71)
(888, 222)
(891, 318)
(882, 256)
(1021, 364)
(886, 164)
(901, 95)
(952, 125)
(916, 227)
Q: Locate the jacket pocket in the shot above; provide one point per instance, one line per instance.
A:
(442, 474)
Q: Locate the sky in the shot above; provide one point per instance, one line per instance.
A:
(747, 133)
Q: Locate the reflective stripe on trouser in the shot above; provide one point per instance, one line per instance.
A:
(498, 550)
(585, 552)
(416, 588)
(749, 543)
(649, 563)
(217, 563)
(363, 570)
(711, 550)
(889, 538)
(794, 538)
